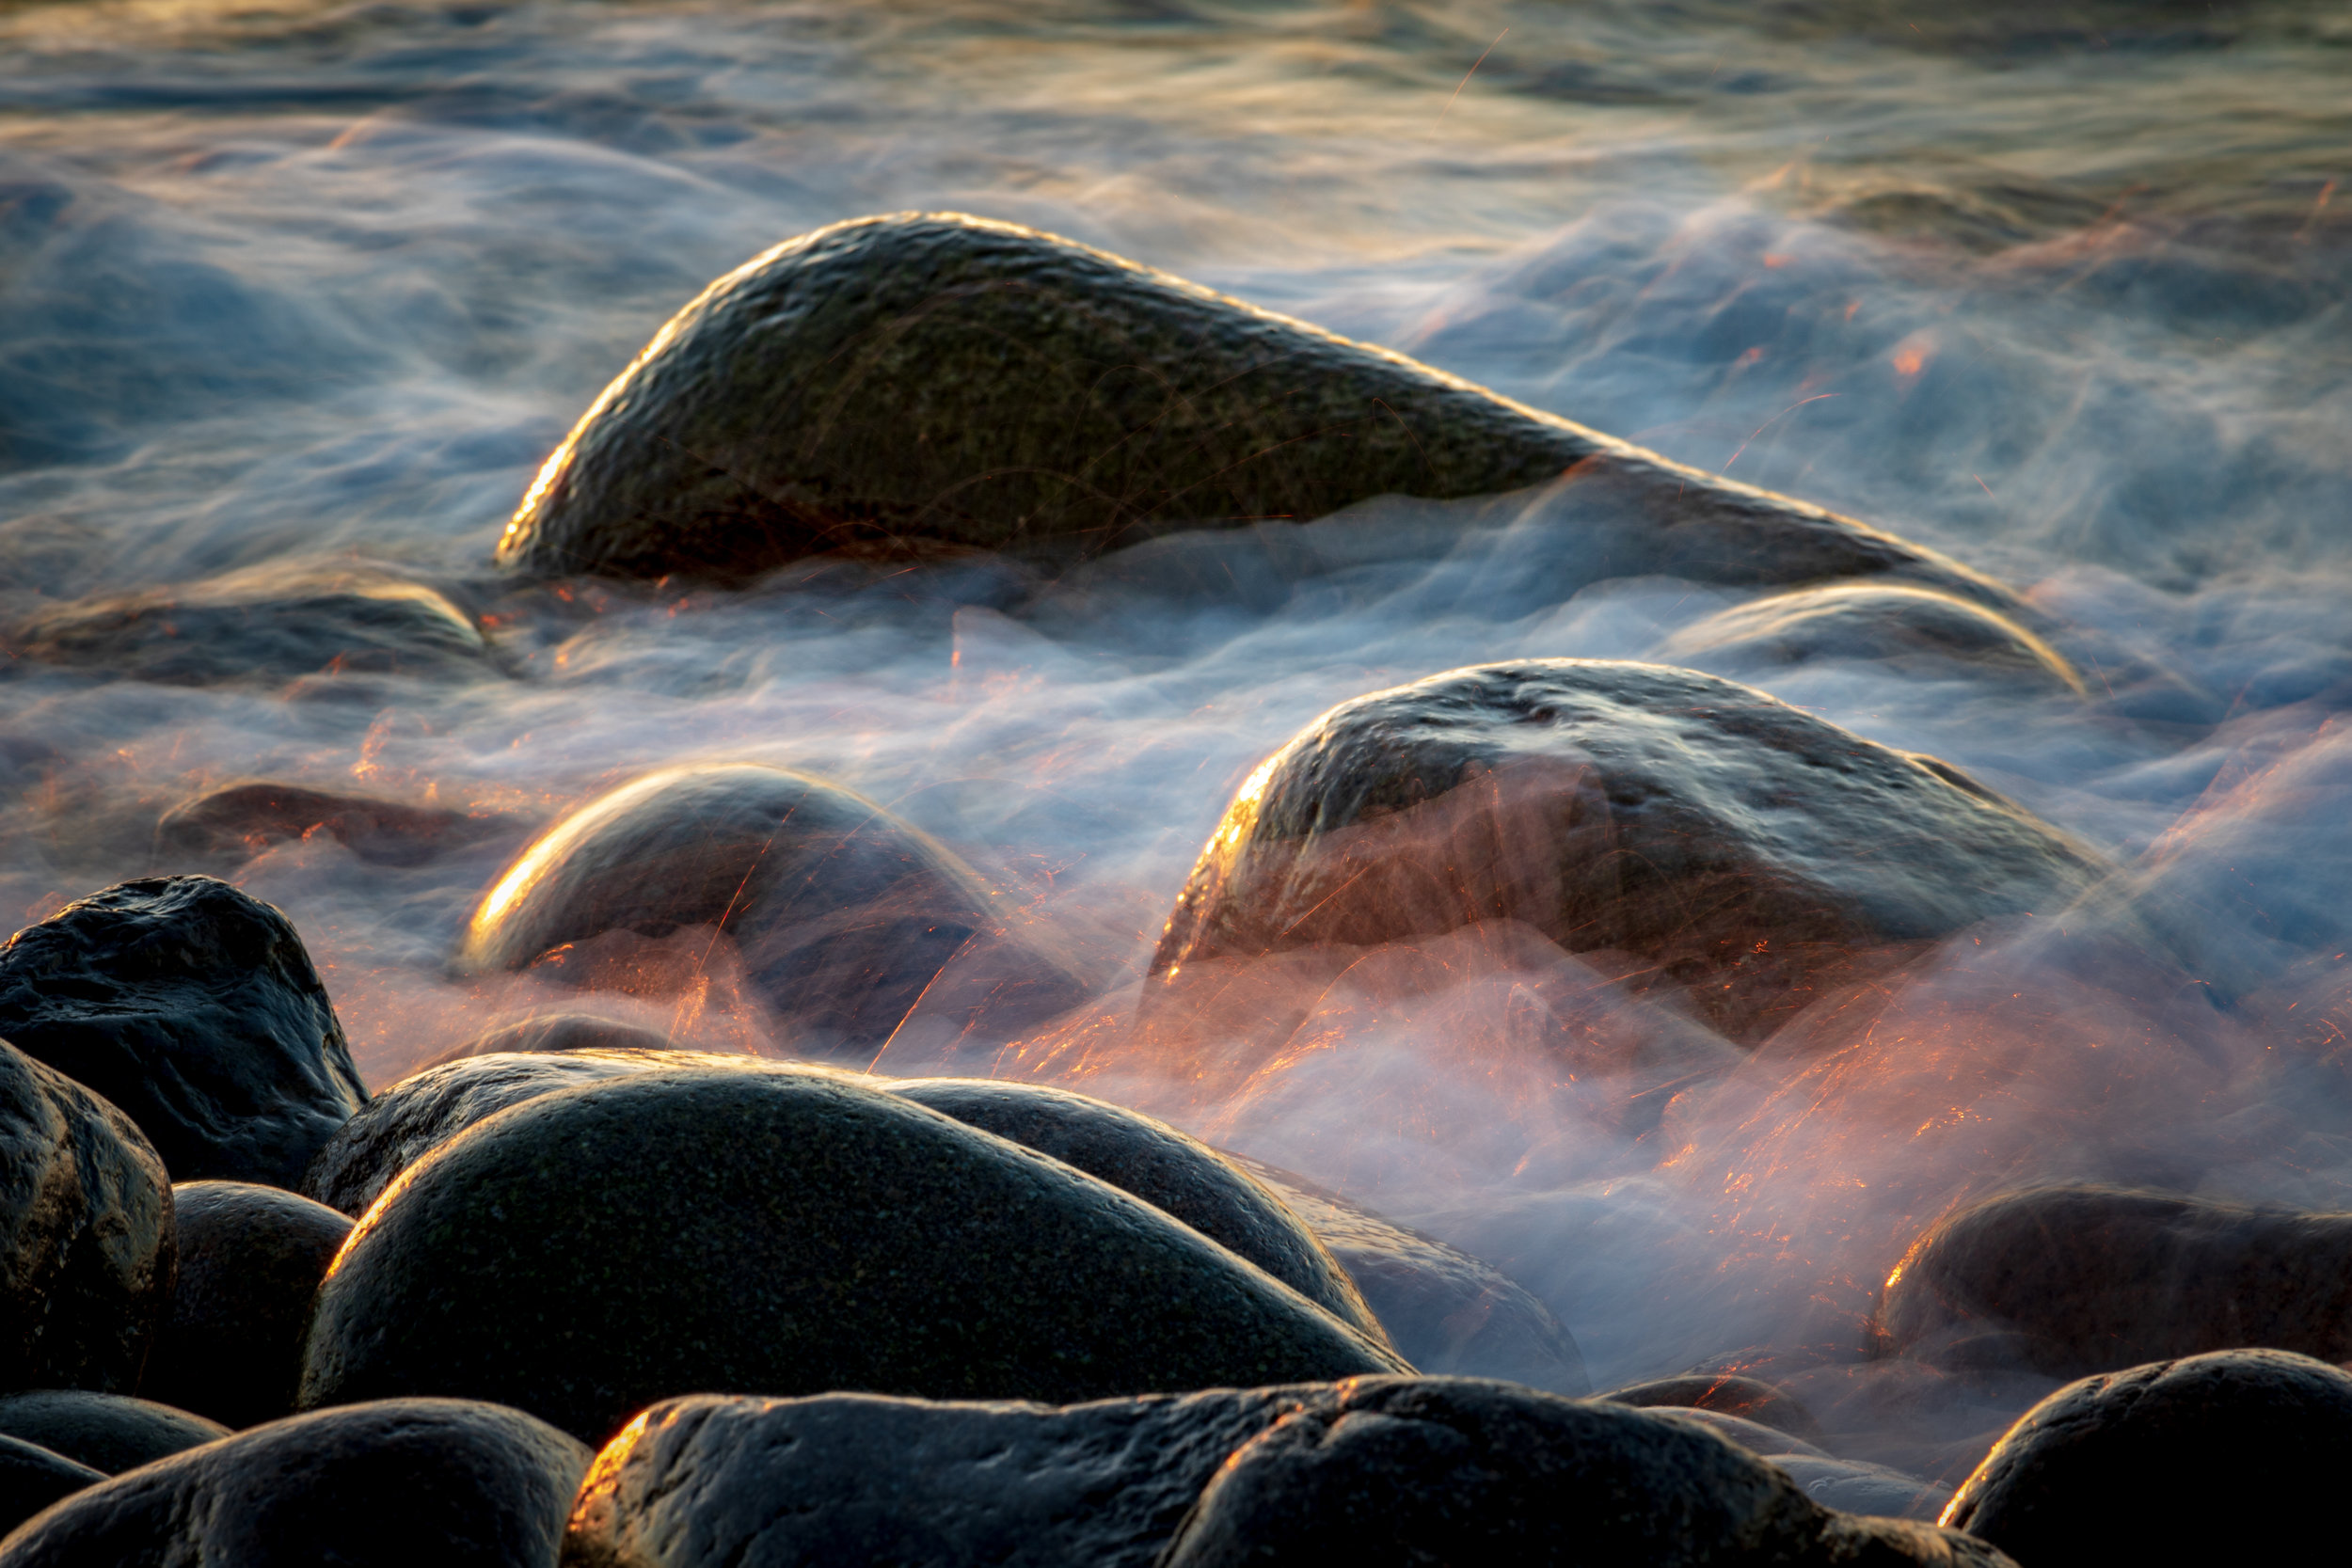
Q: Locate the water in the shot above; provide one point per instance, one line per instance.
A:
(2057, 289)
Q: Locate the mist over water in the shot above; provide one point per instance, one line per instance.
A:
(2057, 291)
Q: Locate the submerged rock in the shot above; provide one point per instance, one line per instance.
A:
(950, 381)
(227, 827)
(106, 1432)
(1749, 1398)
(85, 1234)
(1912, 630)
(196, 1009)
(553, 1033)
(32, 1478)
(845, 916)
(595, 1249)
(2231, 1457)
(395, 1484)
(1721, 841)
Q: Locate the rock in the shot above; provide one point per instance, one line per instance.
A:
(396, 1485)
(1856, 1486)
(86, 1237)
(265, 622)
(845, 916)
(1446, 1312)
(1719, 840)
(936, 379)
(1175, 1174)
(1918, 631)
(551, 1032)
(251, 1260)
(32, 1478)
(1750, 1398)
(758, 1229)
(2076, 1279)
(226, 826)
(2231, 1457)
(106, 1432)
(195, 1009)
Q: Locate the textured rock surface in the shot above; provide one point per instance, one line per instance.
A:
(2073, 1280)
(194, 1009)
(32, 1478)
(1915, 631)
(553, 1032)
(1751, 1398)
(2231, 1457)
(228, 826)
(1724, 842)
(105, 1432)
(844, 915)
(596, 1249)
(251, 1260)
(85, 1235)
(939, 378)
(390, 1486)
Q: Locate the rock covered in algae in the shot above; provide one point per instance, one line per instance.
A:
(949, 380)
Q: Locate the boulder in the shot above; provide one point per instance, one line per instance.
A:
(943, 381)
(1912, 632)
(196, 1009)
(845, 916)
(106, 1432)
(552, 1033)
(2069, 1280)
(593, 1250)
(1719, 841)
(396, 1485)
(86, 1237)
(1750, 1398)
(2229, 1457)
(222, 829)
(251, 1260)
(32, 1478)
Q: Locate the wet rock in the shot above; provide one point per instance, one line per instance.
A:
(760, 1230)
(226, 826)
(251, 1260)
(1175, 1174)
(106, 1432)
(32, 1478)
(395, 1484)
(196, 1009)
(2077, 1279)
(1720, 841)
(85, 1235)
(1750, 1398)
(2231, 1457)
(1915, 631)
(845, 916)
(1857, 1486)
(555, 1032)
(1446, 1312)
(933, 378)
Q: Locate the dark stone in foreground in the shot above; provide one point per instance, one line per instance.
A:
(85, 1236)
(1734, 846)
(32, 1478)
(105, 1432)
(1750, 1398)
(196, 1009)
(2231, 1457)
(398, 1484)
(251, 1260)
(228, 826)
(2072, 1280)
(599, 1248)
(1914, 631)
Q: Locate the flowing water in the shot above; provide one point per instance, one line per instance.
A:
(2057, 288)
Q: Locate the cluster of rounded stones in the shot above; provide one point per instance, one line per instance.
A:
(570, 1295)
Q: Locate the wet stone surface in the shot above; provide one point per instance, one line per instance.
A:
(1914, 631)
(106, 1432)
(32, 1478)
(222, 829)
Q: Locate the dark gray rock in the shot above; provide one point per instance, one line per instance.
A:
(226, 826)
(736, 1230)
(1857, 1486)
(845, 916)
(1175, 1174)
(105, 1432)
(1749, 1398)
(196, 1009)
(1446, 1312)
(552, 1033)
(2231, 1457)
(2077, 1279)
(935, 379)
(397, 1485)
(1915, 631)
(251, 1260)
(1723, 841)
(86, 1237)
(32, 1478)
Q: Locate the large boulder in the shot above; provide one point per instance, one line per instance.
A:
(593, 1250)
(2231, 1457)
(845, 916)
(1912, 632)
(105, 1432)
(226, 826)
(1724, 843)
(933, 378)
(32, 1478)
(86, 1248)
(450, 1483)
(2076, 1279)
(196, 1009)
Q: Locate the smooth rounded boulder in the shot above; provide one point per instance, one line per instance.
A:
(32, 1478)
(87, 1247)
(935, 380)
(251, 1261)
(106, 1432)
(1912, 632)
(196, 1009)
(450, 1483)
(591, 1251)
(1727, 845)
